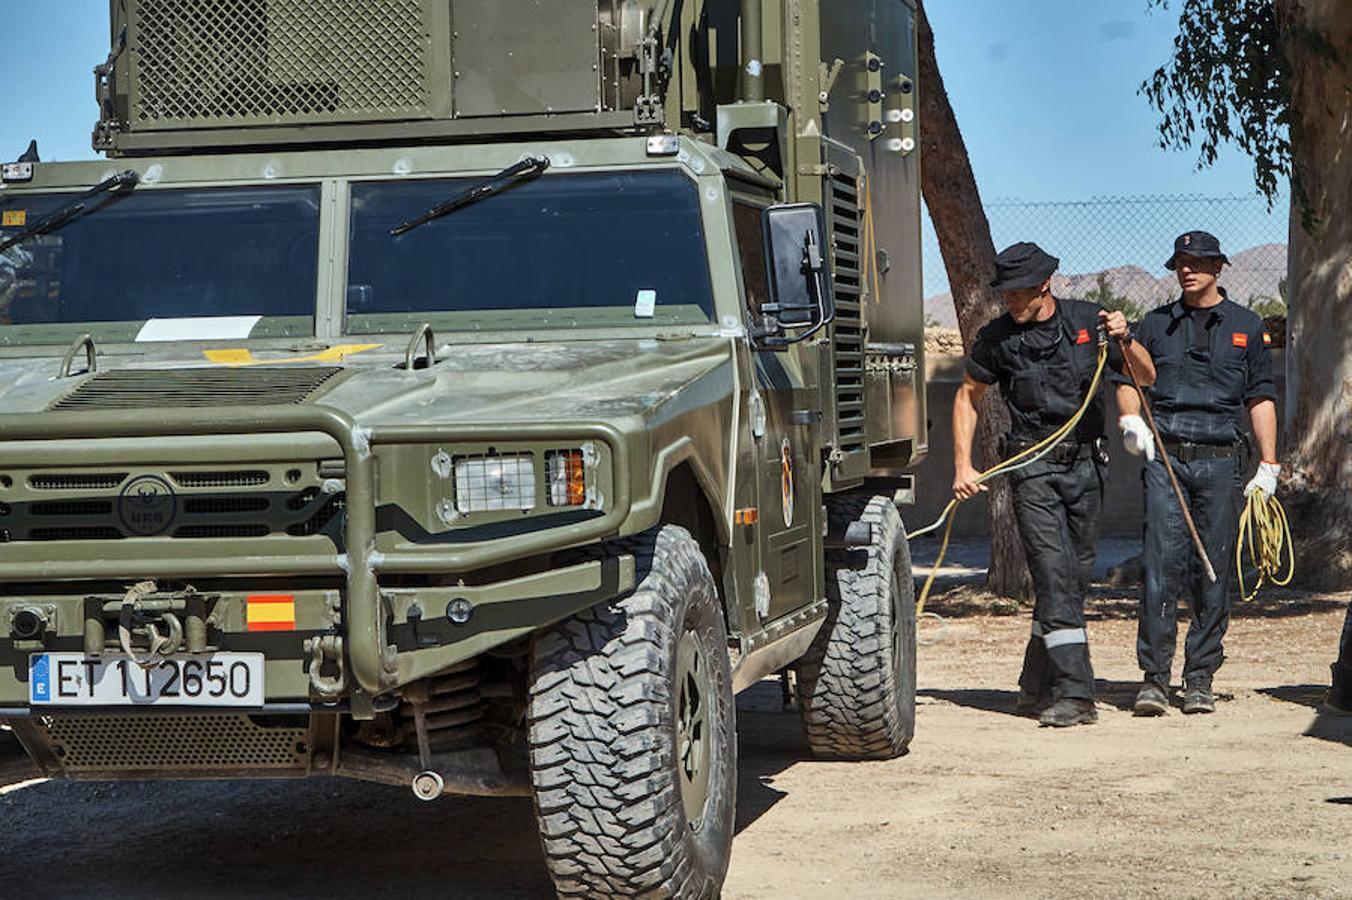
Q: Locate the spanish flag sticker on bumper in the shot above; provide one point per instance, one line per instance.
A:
(271, 612)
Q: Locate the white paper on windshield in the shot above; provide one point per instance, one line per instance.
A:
(645, 304)
(198, 328)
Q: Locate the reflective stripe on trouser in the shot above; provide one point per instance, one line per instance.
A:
(1345, 647)
(1173, 568)
(1057, 508)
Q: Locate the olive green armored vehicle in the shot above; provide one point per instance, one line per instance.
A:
(471, 396)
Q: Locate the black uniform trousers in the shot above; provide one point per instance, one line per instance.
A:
(1173, 567)
(1057, 507)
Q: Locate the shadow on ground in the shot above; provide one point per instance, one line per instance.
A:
(1326, 726)
(1104, 602)
(770, 740)
(317, 838)
(1119, 694)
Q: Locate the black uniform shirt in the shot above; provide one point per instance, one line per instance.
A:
(1204, 380)
(1044, 369)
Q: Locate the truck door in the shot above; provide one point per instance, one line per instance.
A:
(783, 396)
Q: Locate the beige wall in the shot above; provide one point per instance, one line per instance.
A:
(1122, 500)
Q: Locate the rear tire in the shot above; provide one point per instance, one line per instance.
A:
(856, 683)
(633, 750)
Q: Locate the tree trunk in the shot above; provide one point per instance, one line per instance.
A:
(1319, 343)
(950, 192)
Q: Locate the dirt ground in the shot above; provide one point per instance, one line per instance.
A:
(1254, 801)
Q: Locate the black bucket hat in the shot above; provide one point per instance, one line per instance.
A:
(1022, 265)
(1195, 243)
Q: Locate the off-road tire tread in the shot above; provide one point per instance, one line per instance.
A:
(854, 704)
(606, 796)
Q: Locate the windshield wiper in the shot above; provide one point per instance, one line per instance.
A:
(528, 168)
(120, 184)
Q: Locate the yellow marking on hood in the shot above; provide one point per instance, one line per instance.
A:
(242, 357)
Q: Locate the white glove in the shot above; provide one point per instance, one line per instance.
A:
(1136, 437)
(1264, 480)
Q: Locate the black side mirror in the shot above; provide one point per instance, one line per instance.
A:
(800, 276)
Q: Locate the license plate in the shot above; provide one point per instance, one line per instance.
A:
(209, 679)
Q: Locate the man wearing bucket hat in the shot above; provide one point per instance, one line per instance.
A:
(1043, 353)
(1212, 365)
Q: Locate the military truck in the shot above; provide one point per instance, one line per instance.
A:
(470, 396)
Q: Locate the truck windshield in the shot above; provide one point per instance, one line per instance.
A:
(219, 263)
(571, 250)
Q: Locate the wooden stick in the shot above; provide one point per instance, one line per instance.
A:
(1168, 467)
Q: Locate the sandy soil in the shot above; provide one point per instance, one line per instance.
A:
(1254, 801)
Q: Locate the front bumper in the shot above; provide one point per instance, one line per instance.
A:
(377, 653)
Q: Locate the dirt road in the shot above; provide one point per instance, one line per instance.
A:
(1254, 801)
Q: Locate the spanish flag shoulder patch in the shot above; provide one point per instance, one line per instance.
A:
(1267, 339)
(1083, 336)
(1239, 339)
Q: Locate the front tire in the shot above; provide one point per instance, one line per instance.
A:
(856, 683)
(633, 750)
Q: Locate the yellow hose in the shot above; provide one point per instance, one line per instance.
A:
(1265, 531)
(1015, 462)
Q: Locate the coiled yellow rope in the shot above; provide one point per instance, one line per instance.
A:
(1014, 463)
(1266, 533)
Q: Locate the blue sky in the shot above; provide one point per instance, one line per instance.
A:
(1045, 92)
(1046, 95)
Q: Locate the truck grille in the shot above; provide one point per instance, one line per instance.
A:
(200, 504)
(262, 62)
(155, 388)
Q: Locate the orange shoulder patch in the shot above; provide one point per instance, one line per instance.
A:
(1239, 339)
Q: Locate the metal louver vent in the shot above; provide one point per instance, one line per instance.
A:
(143, 388)
(260, 62)
(848, 327)
(245, 478)
(63, 481)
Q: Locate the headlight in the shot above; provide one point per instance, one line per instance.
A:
(488, 483)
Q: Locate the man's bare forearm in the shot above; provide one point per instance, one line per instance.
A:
(1141, 363)
(1263, 418)
(1128, 401)
(964, 421)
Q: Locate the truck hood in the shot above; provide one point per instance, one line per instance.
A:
(599, 380)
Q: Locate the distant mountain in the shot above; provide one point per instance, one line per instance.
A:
(1252, 273)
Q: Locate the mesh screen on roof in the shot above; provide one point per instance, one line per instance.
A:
(258, 62)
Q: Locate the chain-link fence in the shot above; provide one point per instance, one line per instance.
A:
(1112, 249)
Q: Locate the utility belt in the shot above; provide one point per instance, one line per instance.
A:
(1187, 451)
(1066, 452)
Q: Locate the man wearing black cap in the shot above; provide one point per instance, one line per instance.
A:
(1042, 352)
(1212, 363)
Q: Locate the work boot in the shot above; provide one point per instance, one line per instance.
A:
(1030, 704)
(1069, 711)
(1153, 698)
(1197, 696)
(1339, 700)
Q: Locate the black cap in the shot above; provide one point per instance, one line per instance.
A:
(1195, 243)
(1022, 265)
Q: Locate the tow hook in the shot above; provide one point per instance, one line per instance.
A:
(326, 648)
(132, 617)
(427, 784)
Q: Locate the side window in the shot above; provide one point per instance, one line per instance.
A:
(746, 220)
